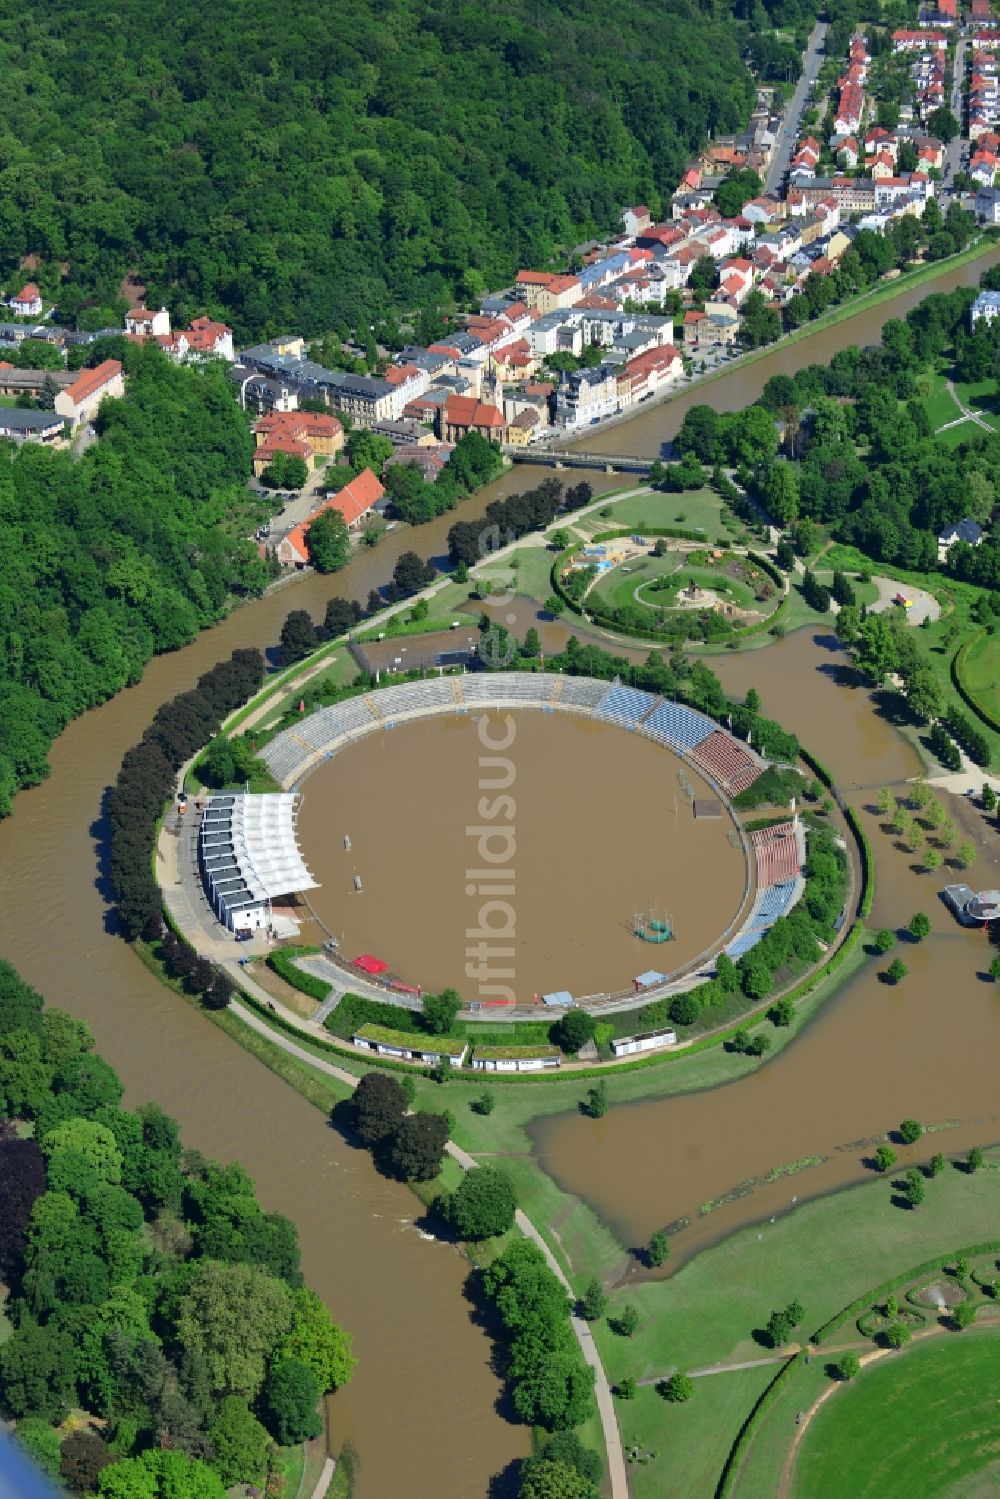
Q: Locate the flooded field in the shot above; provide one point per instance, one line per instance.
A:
(602, 830)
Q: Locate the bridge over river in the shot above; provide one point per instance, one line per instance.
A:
(606, 463)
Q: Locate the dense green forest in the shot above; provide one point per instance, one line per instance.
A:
(146, 1285)
(313, 165)
(123, 552)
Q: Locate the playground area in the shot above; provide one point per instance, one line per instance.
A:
(685, 577)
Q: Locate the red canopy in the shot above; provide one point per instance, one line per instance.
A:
(369, 964)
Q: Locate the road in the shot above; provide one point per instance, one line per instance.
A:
(954, 151)
(788, 134)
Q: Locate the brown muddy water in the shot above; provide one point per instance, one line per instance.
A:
(647, 434)
(591, 827)
(421, 1408)
(874, 1055)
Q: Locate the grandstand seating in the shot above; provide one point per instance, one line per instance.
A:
(508, 686)
(624, 705)
(581, 692)
(772, 902)
(677, 726)
(728, 761)
(320, 729)
(414, 697)
(285, 757)
(776, 851)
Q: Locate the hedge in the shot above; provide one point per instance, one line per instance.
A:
(853, 1311)
(734, 1461)
(867, 863)
(964, 691)
(282, 964)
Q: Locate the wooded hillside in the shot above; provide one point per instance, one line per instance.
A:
(311, 165)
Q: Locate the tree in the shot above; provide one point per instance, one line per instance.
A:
(848, 1366)
(328, 541)
(288, 1403)
(627, 1322)
(783, 1013)
(594, 1301)
(235, 1315)
(965, 854)
(704, 275)
(485, 1103)
(963, 1315)
(240, 1443)
(440, 1011)
(885, 1158)
(298, 637)
(886, 802)
(936, 1164)
(897, 971)
(942, 123)
(726, 974)
(896, 1335)
(752, 700)
(597, 1100)
(915, 1191)
(484, 1204)
(678, 1388)
(409, 575)
(814, 593)
(918, 926)
(910, 1131)
(22, 1182)
(885, 940)
(994, 969)
(658, 1251)
(566, 1447)
(625, 1388)
(544, 1479)
(975, 1159)
(83, 1457)
(377, 1107)
(160, 1474)
(685, 1009)
(573, 1030)
(932, 860)
(779, 1328)
(415, 1149)
(315, 1340)
(37, 1372)
(532, 644)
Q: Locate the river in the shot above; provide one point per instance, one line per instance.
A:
(422, 1407)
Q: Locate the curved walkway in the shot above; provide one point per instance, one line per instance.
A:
(584, 1336)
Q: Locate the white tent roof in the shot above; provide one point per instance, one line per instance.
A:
(256, 834)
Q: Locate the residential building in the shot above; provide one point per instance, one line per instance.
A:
(79, 401)
(27, 302)
(18, 382)
(985, 308)
(988, 205)
(587, 395)
(141, 322)
(634, 220)
(365, 399)
(964, 530)
(354, 502)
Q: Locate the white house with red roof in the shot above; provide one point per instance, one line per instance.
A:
(354, 502)
(27, 302)
(79, 401)
(636, 219)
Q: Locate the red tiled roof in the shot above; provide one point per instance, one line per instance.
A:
(466, 411)
(398, 374)
(29, 293)
(352, 502)
(534, 278)
(204, 334)
(89, 381)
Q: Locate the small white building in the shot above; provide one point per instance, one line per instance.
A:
(79, 401)
(630, 1046)
(407, 1048)
(142, 322)
(27, 302)
(515, 1058)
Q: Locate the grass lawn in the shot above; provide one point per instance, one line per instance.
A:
(937, 400)
(982, 673)
(691, 1440)
(293, 1464)
(698, 509)
(526, 571)
(616, 588)
(825, 1253)
(909, 1427)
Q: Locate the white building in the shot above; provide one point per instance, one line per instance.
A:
(986, 306)
(630, 1046)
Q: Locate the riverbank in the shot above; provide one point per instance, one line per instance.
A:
(876, 296)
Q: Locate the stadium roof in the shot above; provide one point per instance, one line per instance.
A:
(249, 852)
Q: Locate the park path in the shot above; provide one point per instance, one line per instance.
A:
(584, 1335)
(968, 415)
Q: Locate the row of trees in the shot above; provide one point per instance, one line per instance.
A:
(474, 462)
(146, 779)
(517, 515)
(147, 1285)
